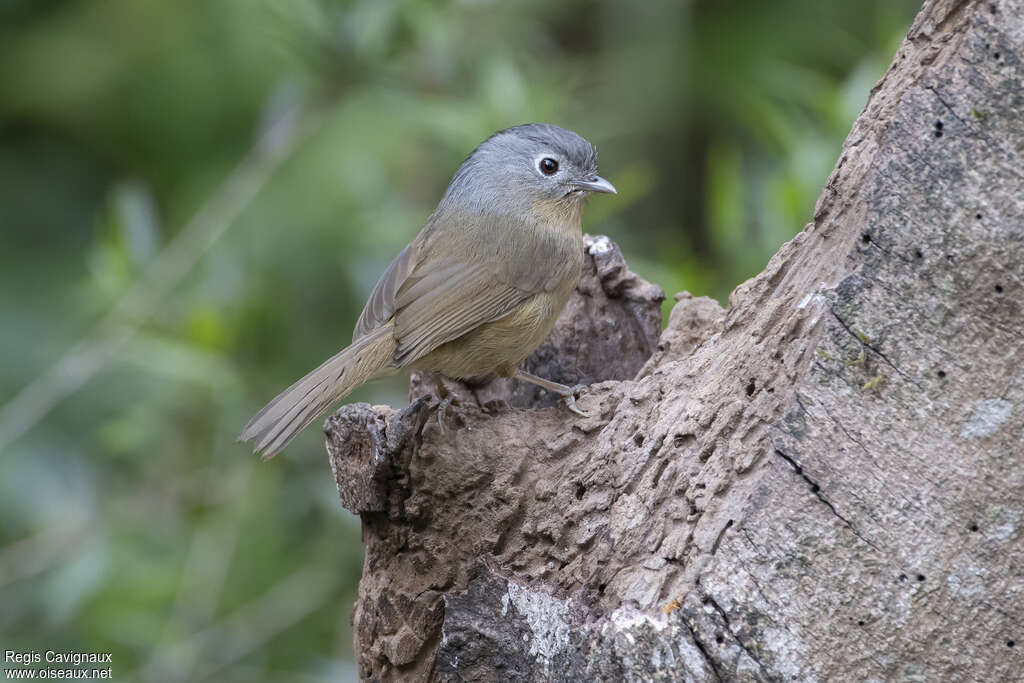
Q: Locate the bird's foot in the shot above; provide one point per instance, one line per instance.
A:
(442, 411)
(570, 399)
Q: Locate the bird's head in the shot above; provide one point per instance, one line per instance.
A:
(536, 167)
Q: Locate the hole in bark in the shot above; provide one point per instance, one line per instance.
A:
(580, 490)
(719, 639)
(903, 577)
(995, 55)
(941, 374)
(860, 622)
(938, 133)
(751, 388)
(999, 289)
(638, 439)
(1010, 643)
(920, 577)
(977, 216)
(974, 527)
(918, 253)
(865, 238)
(938, 125)
(815, 488)
(681, 440)
(658, 472)
(770, 390)
(601, 587)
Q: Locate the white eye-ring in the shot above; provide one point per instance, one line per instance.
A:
(547, 164)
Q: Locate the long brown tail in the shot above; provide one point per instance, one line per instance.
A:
(309, 398)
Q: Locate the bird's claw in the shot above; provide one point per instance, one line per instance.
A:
(570, 400)
(442, 409)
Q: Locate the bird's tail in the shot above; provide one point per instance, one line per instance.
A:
(309, 398)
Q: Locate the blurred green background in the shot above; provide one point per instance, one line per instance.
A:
(195, 199)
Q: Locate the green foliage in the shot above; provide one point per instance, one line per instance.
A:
(131, 522)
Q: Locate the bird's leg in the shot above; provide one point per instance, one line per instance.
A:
(567, 392)
(446, 400)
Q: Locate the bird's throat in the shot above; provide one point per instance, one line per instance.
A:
(562, 215)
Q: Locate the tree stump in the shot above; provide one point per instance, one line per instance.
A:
(824, 481)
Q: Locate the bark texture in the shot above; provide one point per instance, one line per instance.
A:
(823, 482)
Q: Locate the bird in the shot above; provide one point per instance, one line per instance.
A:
(477, 289)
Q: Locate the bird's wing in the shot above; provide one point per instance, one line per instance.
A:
(457, 274)
(444, 299)
(380, 307)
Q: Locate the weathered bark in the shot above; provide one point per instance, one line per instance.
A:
(823, 482)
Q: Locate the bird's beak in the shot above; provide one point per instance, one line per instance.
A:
(595, 184)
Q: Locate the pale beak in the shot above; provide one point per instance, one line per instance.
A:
(595, 184)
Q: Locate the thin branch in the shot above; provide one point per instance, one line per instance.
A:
(83, 361)
(245, 630)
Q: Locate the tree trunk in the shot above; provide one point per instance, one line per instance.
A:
(824, 481)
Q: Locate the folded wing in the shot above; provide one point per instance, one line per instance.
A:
(436, 296)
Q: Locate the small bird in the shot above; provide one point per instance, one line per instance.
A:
(477, 290)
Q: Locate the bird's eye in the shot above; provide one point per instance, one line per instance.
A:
(548, 166)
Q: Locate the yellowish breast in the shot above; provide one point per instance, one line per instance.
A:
(498, 348)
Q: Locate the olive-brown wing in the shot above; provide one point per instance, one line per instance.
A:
(380, 307)
(442, 301)
(461, 272)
